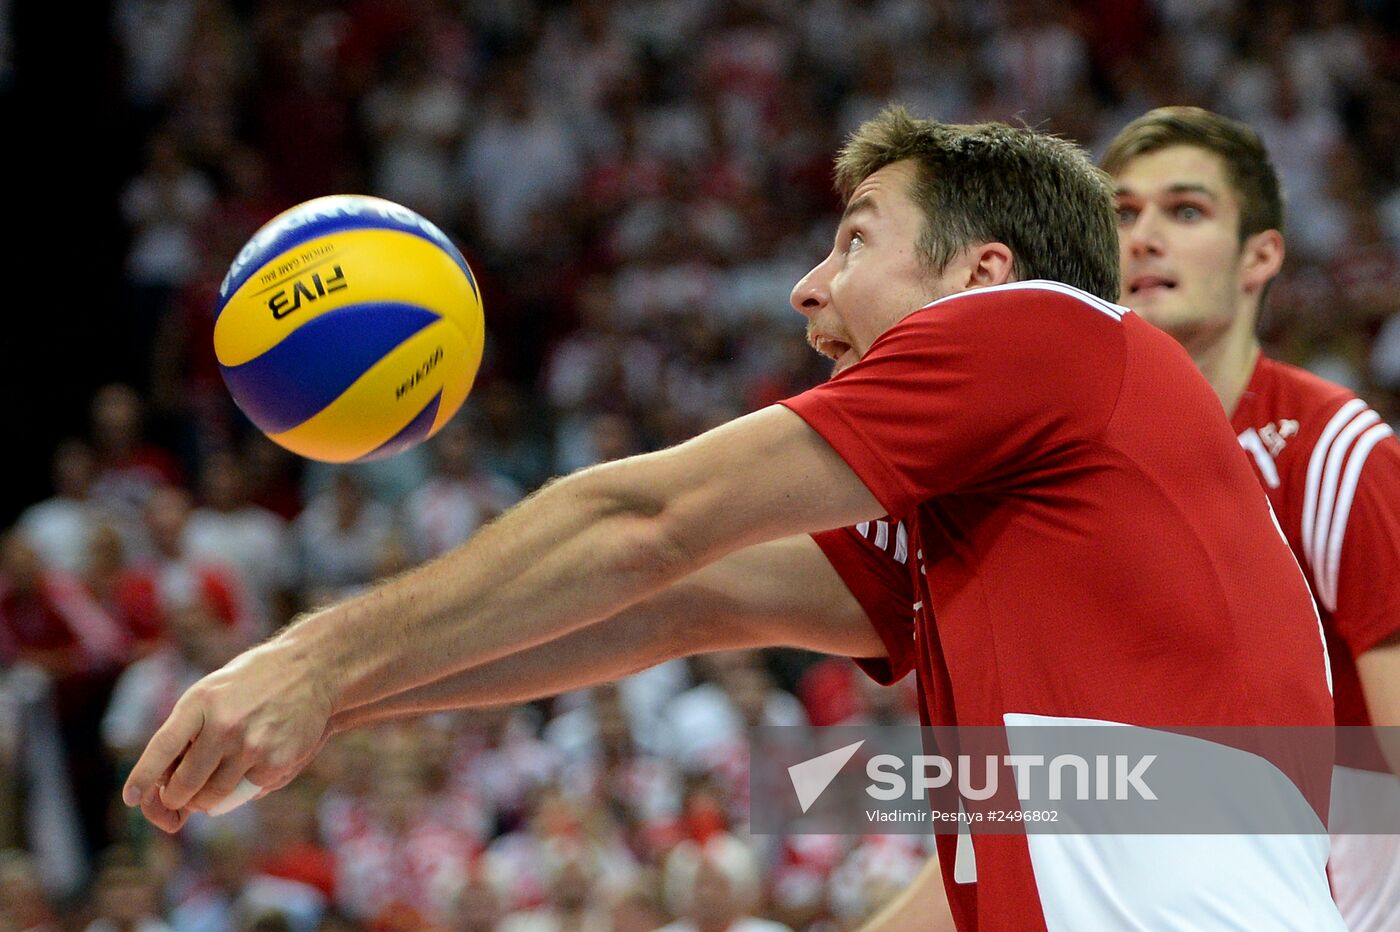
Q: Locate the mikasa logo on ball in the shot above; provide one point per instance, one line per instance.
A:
(420, 373)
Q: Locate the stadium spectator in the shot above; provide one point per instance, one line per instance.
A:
(173, 575)
(458, 497)
(520, 159)
(715, 886)
(51, 624)
(48, 619)
(340, 538)
(406, 857)
(60, 528)
(572, 898)
(126, 894)
(288, 843)
(256, 543)
(24, 905)
(129, 467)
(221, 890)
(706, 724)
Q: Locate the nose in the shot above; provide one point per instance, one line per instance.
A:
(813, 291)
(1143, 237)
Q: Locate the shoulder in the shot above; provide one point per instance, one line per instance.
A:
(1019, 321)
(1301, 392)
(1308, 419)
(1029, 299)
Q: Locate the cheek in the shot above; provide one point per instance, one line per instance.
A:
(1221, 274)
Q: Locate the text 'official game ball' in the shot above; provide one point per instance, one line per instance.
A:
(349, 328)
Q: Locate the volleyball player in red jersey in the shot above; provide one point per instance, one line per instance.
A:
(1084, 544)
(1200, 216)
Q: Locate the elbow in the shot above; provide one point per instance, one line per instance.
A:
(650, 534)
(652, 549)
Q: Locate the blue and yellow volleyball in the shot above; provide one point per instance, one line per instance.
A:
(349, 328)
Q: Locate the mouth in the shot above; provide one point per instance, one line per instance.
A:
(832, 348)
(1145, 285)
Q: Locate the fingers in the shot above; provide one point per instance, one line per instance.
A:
(222, 783)
(163, 752)
(200, 762)
(167, 820)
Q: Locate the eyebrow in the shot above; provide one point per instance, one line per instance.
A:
(864, 202)
(1182, 187)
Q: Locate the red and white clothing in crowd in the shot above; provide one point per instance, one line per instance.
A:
(256, 545)
(148, 591)
(1331, 468)
(877, 865)
(444, 511)
(644, 786)
(343, 816)
(1079, 519)
(125, 481)
(521, 864)
(58, 623)
(505, 767)
(144, 696)
(422, 866)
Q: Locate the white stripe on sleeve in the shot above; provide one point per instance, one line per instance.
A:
(1331, 485)
(1327, 578)
(1315, 470)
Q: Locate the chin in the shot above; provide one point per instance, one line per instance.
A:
(1158, 314)
(844, 363)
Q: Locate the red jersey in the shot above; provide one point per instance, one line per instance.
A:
(1331, 468)
(1081, 524)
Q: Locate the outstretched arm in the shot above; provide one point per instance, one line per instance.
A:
(783, 593)
(578, 551)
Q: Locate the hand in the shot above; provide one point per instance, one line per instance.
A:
(263, 716)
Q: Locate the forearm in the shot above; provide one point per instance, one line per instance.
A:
(598, 653)
(572, 554)
(781, 593)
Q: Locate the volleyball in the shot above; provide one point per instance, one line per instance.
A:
(349, 328)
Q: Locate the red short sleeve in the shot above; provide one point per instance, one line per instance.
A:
(1361, 568)
(881, 584)
(973, 391)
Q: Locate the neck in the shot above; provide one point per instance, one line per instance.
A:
(1228, 362)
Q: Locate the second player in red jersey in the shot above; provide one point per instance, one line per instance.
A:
(1200, 218)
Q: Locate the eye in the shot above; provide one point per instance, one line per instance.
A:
(1127, 216)
(1188, 212)
(856, 238)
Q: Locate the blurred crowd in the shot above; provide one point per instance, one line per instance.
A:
(637, 186)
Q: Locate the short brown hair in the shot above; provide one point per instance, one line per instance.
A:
(1247, 165)
(1037, 193)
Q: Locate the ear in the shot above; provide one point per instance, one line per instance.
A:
(1261, 257)
(989, 264)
